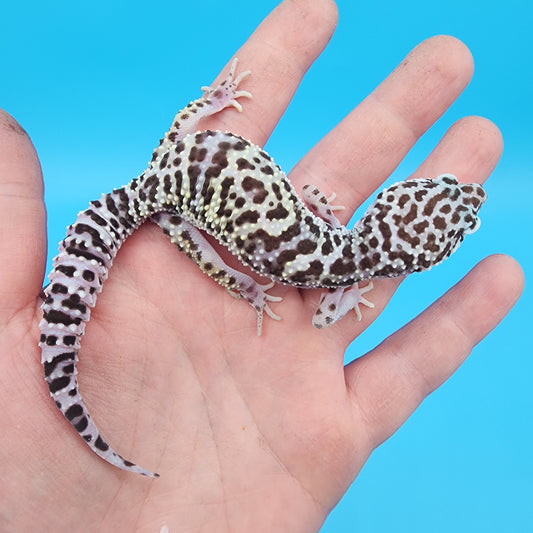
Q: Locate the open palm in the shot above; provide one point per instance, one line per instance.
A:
(248, 433)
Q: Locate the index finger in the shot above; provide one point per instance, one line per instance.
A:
(278, 53)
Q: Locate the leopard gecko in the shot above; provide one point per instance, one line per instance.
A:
(219, 183)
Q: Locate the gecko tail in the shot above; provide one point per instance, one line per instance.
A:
(60, 375)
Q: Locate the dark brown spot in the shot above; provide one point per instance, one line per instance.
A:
(163, 162)
(58, 288)
(95, 217)
(51, 340)
(276, 190)
(110, 204)
(420, 227)
(286, 256)
(73, 411)
(327, 247)
(347, 252)
(432, 202)
(81, 425)
(67, 270)
(404, 198)
(55, 316)
(69, 340)
(306, 246)
(225, 186)
(59, 384)
(256, 186)
(244, 164)
(404, 235)
(315, 268)
(342, 268)
(100, 444)
(197, 154)
(240, 145)
(50, 366)
(178, 176)
(213, 172)
(411, 215)
(278, 213)
(247, 216)
(167, 184)
(419, 195)
(439, 223)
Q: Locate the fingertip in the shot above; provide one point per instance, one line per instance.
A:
(22, 217)
(485, 142)
(8, 123)
(317, 19)
(487, 131)
(470, 149)
(327, 12)
(481, 300)
(454, 57)
(505, 281)
(16, 150)
(279, 52)
(426, 83)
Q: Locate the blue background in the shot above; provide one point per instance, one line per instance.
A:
(96, 84)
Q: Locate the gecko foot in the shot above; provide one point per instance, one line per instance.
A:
(335, 303)
(321, 206)
(256, 295)
(226, 94)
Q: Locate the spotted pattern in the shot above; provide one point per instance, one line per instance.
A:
(223, 185)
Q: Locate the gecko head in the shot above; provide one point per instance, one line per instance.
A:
(416, 224)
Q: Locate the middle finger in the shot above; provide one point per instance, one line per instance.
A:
(363, 150)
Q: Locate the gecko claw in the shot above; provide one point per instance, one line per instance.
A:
(271, 313)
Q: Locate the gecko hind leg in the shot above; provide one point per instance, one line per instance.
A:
(192, 242)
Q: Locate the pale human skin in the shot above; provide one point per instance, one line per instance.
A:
(248, 434)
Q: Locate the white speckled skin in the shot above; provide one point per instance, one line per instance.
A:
(222, 184)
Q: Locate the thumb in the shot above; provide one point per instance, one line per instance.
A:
(22, 219)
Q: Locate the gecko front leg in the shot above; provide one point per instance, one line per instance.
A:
(334, 303)
(225, 94)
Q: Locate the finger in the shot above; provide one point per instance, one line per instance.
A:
(22, 219)
(391, 381)
(363, 150)
(278, 53)
(470, 149)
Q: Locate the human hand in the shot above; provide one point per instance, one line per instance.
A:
(248, 433)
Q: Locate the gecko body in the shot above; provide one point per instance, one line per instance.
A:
(223, 185)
